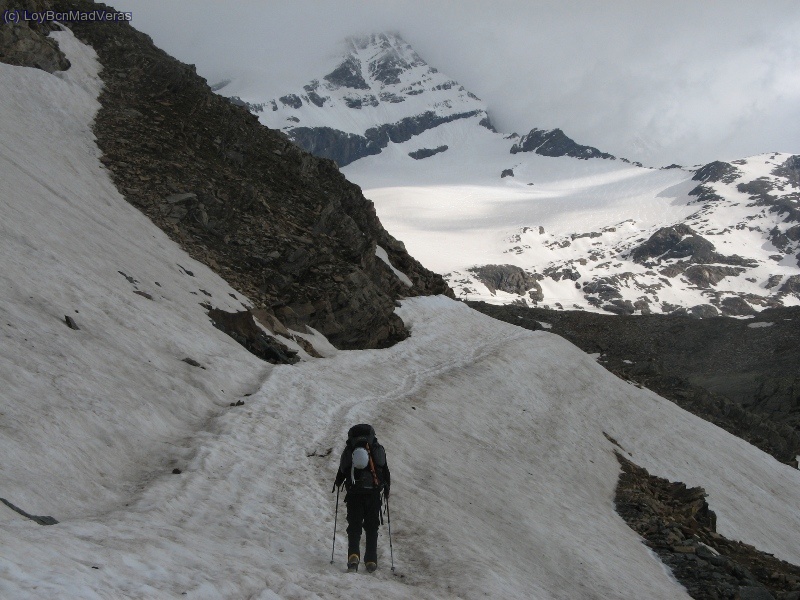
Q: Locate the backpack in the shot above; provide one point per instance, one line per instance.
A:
(370, 478)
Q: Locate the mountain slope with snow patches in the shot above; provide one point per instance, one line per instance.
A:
(574, 224)
(503, 479)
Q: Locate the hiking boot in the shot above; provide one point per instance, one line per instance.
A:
(371, 566)
(352, 562)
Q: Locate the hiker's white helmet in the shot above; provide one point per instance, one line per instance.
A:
(360, 458)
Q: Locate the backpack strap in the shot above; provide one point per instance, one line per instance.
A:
(375, 479)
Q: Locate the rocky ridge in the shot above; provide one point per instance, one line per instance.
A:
(677, 523)
(283, 227)
(555, 143)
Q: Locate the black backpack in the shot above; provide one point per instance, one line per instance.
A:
(371, 478)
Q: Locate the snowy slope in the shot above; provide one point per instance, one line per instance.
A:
(463, 196)
(455, 212)
(503, 479)
(89, 415)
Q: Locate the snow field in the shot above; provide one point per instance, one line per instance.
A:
(453, 212)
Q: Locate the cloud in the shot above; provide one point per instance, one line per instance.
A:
(679, 81)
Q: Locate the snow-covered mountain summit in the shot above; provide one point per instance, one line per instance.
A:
(540, 218)
(381, 92)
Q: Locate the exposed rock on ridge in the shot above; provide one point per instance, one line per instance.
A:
(555, 143)
(677, 523)
(26, 44)
(280, 225)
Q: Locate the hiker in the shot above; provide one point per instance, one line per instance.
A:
(365, 474)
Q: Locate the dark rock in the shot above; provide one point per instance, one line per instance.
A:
(678, 525)
(36, 519)
(590, 234)
(717, 171)
(620, 307)
(359, 102)
(557, 274)
(348, 74)
(752, 592)
(643, 306)
(292, 100)
(705, 194)
(426, 152)
(506, 278)
(71, 323)
(704, 311)
(773, 281)
(757, 187)
(27, 44)
(345, 148)
(176, 471)
(705, 276)
(193, 362)
(555, 143)
(677, 241)
(736, 306)
(604, 287)
(790, 169)
(507, 173)
(242, 328)
(792, 285)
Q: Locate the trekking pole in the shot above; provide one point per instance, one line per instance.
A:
(335, 516)
(389, 521)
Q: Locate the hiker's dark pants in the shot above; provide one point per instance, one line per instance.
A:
(363, 511)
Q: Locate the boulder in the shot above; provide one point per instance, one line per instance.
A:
(506, 278)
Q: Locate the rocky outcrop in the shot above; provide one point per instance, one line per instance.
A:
(699, 364)
(345, 148)
(426, 152)
(697, 260)
(283, 227)
(677, 523)
(26, 44)
(241, 326)
(790, 169)
(677, 241)
(717, 171)
(506, 278)
(555, 142)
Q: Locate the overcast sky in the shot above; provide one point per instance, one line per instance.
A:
(657, 81)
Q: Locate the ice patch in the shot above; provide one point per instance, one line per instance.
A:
(760, 324)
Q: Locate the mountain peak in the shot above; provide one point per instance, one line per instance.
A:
(381, 92)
